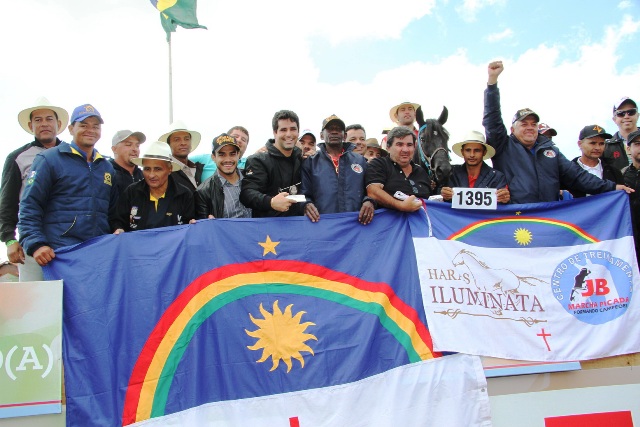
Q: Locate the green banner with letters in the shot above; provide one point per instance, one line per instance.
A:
(30, 348)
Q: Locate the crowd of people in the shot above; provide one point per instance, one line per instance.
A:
(56, 194)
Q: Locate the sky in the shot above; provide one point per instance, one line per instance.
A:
(569, 61)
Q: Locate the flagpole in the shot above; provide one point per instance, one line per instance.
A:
(170, 81)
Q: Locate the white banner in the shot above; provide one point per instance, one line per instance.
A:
(543, 304)
(449, 391)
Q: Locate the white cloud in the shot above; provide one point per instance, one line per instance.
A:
(502, 35)
(470, 8)
(624, 4)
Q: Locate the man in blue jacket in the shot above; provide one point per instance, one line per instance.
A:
(333, 178)
(534, 167)
(68, 193)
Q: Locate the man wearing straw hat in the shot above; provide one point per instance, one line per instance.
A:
(373, 150)
(158, 200)
(475, 173)
(68, 193)
(45, 122)
(182, 142)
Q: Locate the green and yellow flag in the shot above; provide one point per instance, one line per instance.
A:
(177, 12)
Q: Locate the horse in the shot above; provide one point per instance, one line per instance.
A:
(487, 278)
(433, 151)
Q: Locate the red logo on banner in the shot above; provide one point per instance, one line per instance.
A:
(618, 419)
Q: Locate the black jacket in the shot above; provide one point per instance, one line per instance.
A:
(14, 174)
(132, 212)
(268, 174)
(488, 177)
(615, 152)
(608, 172)
(122, 178)
(181, 177)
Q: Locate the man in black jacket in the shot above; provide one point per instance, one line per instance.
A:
(273, 176)
(126, 146)
(632, 179)
(45, 122)
(592, 144)
(219, 196)
(625, 116)
(475, 173)
(157, 201)
(182, 142)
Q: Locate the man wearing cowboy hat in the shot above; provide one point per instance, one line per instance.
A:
(534, 166)
(373, 150)
(157, 201)
(219, 196)
(126, 147)
(69, 193)
(182, 142)
(404, 114)
(333, 179)
(44, 121)
(475, 173)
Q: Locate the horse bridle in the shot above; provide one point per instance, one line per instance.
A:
(427, 160)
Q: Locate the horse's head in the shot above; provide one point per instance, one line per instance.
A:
(434, 147)
(458, 259)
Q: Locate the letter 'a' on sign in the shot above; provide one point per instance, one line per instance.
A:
(474, 198)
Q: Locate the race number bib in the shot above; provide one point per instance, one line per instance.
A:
(474, 198)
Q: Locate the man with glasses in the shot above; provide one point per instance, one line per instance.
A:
(272, 176)
(534, 166)
(625, 116)
(395, 181)
(333, 179)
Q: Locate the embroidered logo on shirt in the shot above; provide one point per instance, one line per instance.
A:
(107, 178)
(356, 168)
(549, 153)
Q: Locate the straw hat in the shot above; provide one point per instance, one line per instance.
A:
(158, 150)
(40, 104)
(180, 126)
(394, 110)
(475, 137)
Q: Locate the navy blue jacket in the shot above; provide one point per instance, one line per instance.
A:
(488, 177)
(66, 200)
(333, 192)
(535, 177)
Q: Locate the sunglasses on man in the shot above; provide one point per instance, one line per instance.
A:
(631, 112)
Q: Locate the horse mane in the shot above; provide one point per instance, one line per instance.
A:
(475, 257)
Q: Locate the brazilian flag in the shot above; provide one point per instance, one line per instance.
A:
(177, 12)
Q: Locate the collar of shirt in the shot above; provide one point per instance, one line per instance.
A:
(594, 170)
(155, 201)
(82, 153)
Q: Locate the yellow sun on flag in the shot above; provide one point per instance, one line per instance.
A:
(281, 336)
(522, 236)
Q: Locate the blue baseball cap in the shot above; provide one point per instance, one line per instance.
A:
(84, 111)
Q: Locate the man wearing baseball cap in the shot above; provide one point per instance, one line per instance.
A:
(625, 116)
(591, 142)
(45, 122)
(219, 196)
(158, 200)
(333, 179)
(307, 143)
(68, 193)
(126, 146)
(546, 130)
(534, 166)
(475, 173)
(632, 179)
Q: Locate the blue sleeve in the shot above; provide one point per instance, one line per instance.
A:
(494, 128)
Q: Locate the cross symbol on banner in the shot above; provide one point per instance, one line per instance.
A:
(544, 337)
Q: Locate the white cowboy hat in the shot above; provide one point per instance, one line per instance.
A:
(478, 138)
(180, 126)
(42, 103)
(158, 150)
(394, 110)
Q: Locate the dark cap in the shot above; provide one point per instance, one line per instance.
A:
(622, 101)
(521, 114)
(222, 140)
(591, 131)
(543, 127)
(633, 135)
(333, 118)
